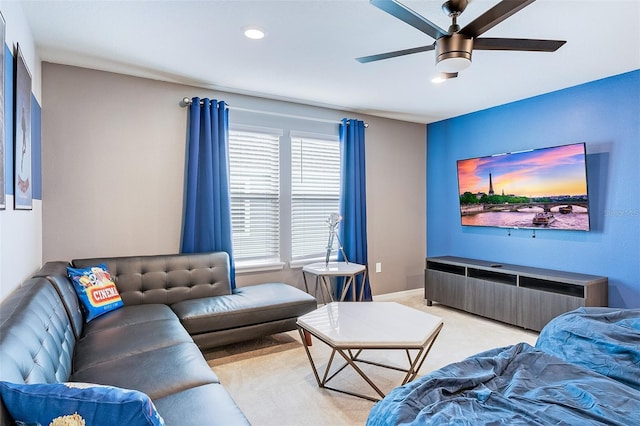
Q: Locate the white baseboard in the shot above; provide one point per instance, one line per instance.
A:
(387, 296)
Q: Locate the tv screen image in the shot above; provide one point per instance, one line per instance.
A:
(538, 188)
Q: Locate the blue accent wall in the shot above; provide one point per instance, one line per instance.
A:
(605, 114)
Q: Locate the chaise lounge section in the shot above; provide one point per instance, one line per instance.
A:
(197, 288)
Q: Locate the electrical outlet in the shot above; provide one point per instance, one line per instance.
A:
(378, 266)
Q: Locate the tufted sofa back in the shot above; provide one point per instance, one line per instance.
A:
(56, 273)
(36, 337)
(166, 279)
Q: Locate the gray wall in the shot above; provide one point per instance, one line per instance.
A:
(113, 164)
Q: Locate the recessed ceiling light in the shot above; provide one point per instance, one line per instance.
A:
(254, 33)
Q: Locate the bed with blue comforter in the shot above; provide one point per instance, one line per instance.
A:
(585, 369)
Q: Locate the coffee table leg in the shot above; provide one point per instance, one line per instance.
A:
(307, 338)
(416, 365)
(322, 383)
(362, 374)
(303, 336)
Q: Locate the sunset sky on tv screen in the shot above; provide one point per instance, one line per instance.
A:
(542, 172)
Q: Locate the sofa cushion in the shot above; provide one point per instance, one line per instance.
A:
(167, 279)
(78, 404)
(209, 405)
(213, 339)
(120, 342)
(247, 306)
(130, 315)
(96, 290)
(158, 373)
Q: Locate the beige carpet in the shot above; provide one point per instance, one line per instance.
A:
(272, 382)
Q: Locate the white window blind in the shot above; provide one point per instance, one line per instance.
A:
(254, 171)
(315, 193)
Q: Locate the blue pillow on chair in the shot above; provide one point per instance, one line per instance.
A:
(96, 290)
(78, 404)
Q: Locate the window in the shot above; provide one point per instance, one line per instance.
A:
(254, 180)
(283, 189)
(315, 193)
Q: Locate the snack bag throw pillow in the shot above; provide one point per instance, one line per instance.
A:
(96, 290)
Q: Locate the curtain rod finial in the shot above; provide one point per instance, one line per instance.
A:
(185, 102)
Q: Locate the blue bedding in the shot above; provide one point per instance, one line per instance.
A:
(515, 385)
(605, 340)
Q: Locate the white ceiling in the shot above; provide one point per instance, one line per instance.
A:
(308, 53)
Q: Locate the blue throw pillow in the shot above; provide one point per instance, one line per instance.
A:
(96, 290)
(78, 404)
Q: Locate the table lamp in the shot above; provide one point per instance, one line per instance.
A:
(333, 221)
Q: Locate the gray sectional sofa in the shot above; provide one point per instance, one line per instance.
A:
(175, 306)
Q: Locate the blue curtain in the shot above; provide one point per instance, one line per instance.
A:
(206, 223)
(353, 202)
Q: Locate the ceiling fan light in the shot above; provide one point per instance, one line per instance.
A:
(254, 33)
(453, 53)
(453, 64)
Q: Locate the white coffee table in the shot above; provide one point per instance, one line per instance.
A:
(350, 328)
(323, 273)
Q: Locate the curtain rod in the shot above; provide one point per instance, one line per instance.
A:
(186, 102)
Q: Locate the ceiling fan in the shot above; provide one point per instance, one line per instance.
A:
(454, 46)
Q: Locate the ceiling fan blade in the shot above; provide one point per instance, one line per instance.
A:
(410, 17)
(524, 44)
(395, 54)
(494, 16)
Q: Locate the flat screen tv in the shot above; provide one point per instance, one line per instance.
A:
(537, 188)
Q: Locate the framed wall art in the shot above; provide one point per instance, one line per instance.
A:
(3, 185)
(23, 182)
